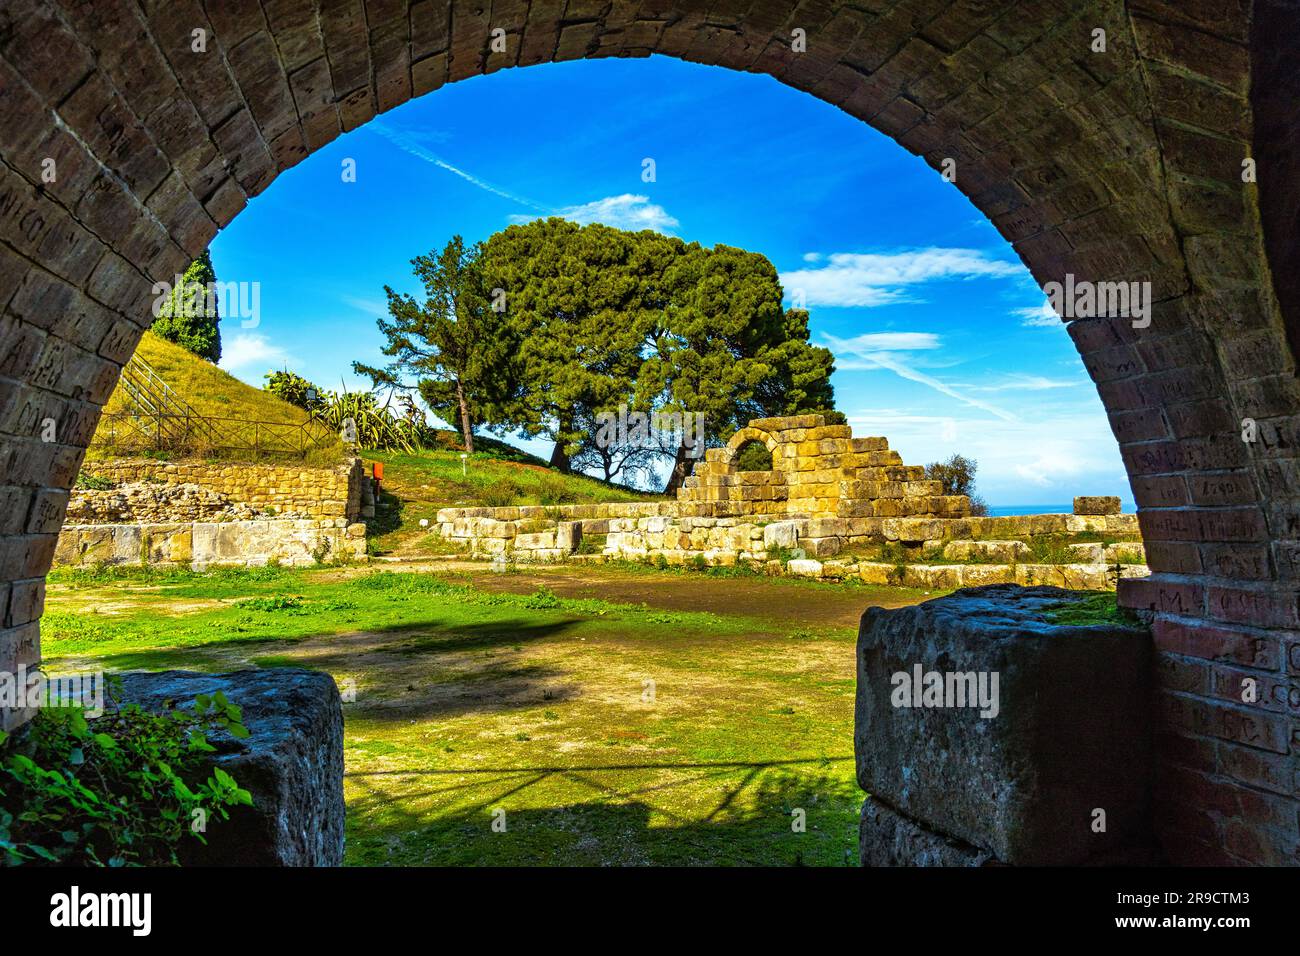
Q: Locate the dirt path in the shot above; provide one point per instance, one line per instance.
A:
(772, 599)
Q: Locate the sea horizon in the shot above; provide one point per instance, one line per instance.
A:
(1003, 511)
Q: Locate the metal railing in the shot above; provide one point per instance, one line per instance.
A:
(157, 419)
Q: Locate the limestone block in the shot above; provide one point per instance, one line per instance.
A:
(1087, 553)
(827, 527)
(781, 534)
(1123, 524)
(1096, 505)
(821, 547)
(937, 576)
(291, 762)
(838, 570)
(1032, 574)
(804, 567)
(926, 489)
(1075, 524)
(848, 508)
(1002, 552)
(1087, 577)
(1070, 734)
(874, 573)
(1125, 552)
(974, 575)
(912, 529)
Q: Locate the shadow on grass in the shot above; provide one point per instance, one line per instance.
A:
(635, 814)
(418, 670)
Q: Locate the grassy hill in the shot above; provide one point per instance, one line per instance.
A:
(415, 485)
(211, 391)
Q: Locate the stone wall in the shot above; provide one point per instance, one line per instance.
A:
(827, 494)
(285, 488)
(153, 501)
(201, 544)
(818, 470)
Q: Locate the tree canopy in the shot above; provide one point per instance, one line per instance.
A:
(189, 316)
(455, 348)
(550, 326)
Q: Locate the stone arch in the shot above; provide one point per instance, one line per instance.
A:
(750, 435)
(1118, 165)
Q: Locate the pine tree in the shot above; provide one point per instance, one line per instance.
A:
(189, 316)
(455, 349)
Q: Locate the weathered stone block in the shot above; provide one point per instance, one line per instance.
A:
(781, 534)
(1096, 505)
(804, 567)
(568, 536)
(888, 838)
(1060, 736)
(291, 763)
(1002, 552)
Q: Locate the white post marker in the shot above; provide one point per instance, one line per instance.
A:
(463, 458)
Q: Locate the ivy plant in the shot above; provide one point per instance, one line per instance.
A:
(128, 788)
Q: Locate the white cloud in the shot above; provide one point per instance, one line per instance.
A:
(1042, 317)
(812, 257)
(874, 279)
(887, 342)
(1028, 383)
(411, 144)
(248, 349)
(371, 307)
(627, 211)
(889, 350)
(1051, 468)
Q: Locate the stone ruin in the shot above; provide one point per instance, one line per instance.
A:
(826, 508)
(196, 513)
(819, 470)
(988, 731)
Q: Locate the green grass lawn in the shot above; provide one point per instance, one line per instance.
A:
(608, 731)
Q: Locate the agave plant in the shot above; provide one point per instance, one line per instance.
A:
(377, 426)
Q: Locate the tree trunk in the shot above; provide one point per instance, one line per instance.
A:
(559, 460)
(466, 429)
(681, 468)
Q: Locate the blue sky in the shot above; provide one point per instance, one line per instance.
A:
(943, 343)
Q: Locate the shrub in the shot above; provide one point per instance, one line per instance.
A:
(127, 789)
(1050, 549)
(295, 390)
(499, 494)
(552, 489)
(958, 477)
